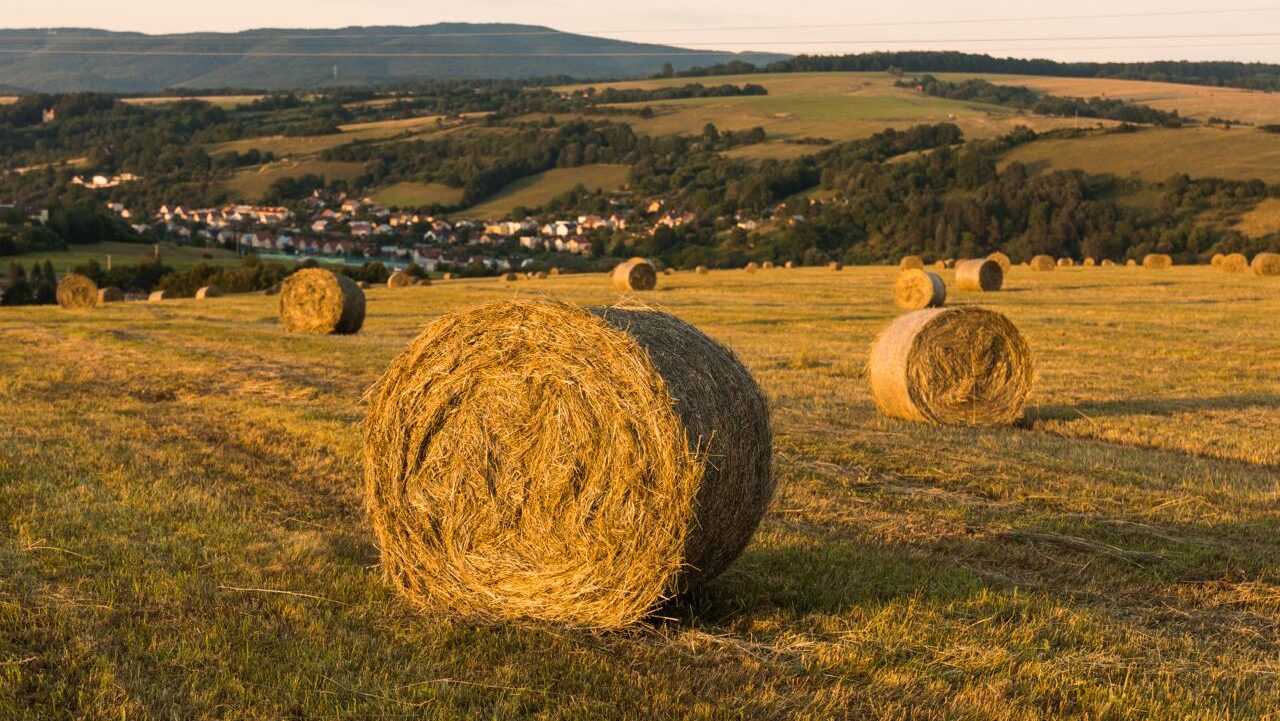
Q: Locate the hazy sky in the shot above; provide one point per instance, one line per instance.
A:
(815, 26)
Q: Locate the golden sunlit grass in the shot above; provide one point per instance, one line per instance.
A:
(183, 529)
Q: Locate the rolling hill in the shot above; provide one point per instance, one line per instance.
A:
(70, 59)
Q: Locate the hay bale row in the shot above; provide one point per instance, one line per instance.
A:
(1157, 261)
(1266, 264)
(911, 262)
(534, 460)
(315, 300)
(955, 366)
(981, 275)
(634, 274)
(1234, 263)
(77, 291)
(917, 289)
(1043, 263)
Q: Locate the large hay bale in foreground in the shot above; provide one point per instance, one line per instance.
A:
(981, 275)
(110, 294)
(1043, 263)
(159, 295)
(1002, 259)
(535, 460)
(1266, 264)
(399, 279)
(634, 274)
(315, 300)
(1234, 263)
(917, 289)
(209, 291)
(911, 262)
(1157, 261)
(957, 366)
(77, 291)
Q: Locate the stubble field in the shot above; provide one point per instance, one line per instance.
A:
(182, 535)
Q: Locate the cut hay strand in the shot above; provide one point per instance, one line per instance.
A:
(1157, 261)
(315, 300)
(833, 265)
(634, 274)
(917, 289)
(1217, 259)
(77, 291)
(399, 279)
(535, 460)
(955, 366)
(110, 294)
(1266, 264)
(980, 275)
(159, 295)
(751, 267)
(1065, 262)
(1043, 263)
(1234, 263)
(1002, 259)
(911, 262)
(209, 291)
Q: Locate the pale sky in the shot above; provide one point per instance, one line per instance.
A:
(1174, 29)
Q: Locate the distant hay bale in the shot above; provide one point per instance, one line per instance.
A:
(110, 294)
(554, 270)
(1131, 263)
(1156, 261)
(1266, 264)
(917, 289)
(1107, 263)
(752, 267)
(535, 460)
(955, 366)
(833, 265)
(982, 275)
(508, 277)
(911, 262)
(1043, 263)
(209, 291)
(1065, 262)
(940, 264)
(77, 291)
(315, 300)
(701, 270)
(634, 274)
(540, 275)
(1002, 259)
(767, 265)
(668, 271)
(1089, 262)
(1234, 263)
(949, 262)
(1217, 259)
(422, 281)
(159, 295)
(399, 279)
(789, 264)
(361, 284)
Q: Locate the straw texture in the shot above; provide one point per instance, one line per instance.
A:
(981, 275)
(917, 289)
(399, 279)
(1157, 261)
(77, 291)
(1043, 263)
(315, 300)
(209, 291)
(634, 274)
(1266, 264)
(1234, 263)
(1002, 259)
(110, 294)
(911, 262)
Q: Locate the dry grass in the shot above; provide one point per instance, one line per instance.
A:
(1111, 556)
(536, 460)
(1264, 219)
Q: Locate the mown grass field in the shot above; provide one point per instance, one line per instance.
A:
(251, 184)
(410, 195)
(536, 190)
(175, 256)
(183, 534)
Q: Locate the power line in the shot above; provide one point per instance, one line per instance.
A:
(426, 33)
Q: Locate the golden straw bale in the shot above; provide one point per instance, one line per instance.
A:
(634, 274)
(1131, 263)
(110, 294)
(767, 265)
(1217, 259)
(1089, 262)
(1065, 262)
(508, 277)
(981, 275)
(399, 279)
(1266, 264)
(955, 366)
(833, 265)
(1157, 261)
(917, 289)
(1234, 263)
(751, 267)
(530, 459)
(1002, 259)
(159, 295)
(1043, 263)
(701, 270)
(910, 262)
(209, 291)
(77, 291)
(315, 300)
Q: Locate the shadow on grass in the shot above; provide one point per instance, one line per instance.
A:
(1148, 407)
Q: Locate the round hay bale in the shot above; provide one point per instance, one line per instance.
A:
(110, 294)
(361, 284)
(1131, 263)
(917, 289)
(508, 277)
(911, 262)
(767, 265)
(422, 281)
(1065, 262)
(535, 460)
(554, 270)
(209, 291)
(949, 262)
(668, 271)
(955, 366)
(1107, 263)
(1217, 259)
(751, 267)
(77, 291)
(789, 264)
(315, 300)
(982, 275)
(1234, 263)
(159, 295)
(940, 264)
(446, 276)
(1002, 259)
(399, 279)
(1266, 264)
(701, 270)
(833, 265)
(635, 274)
(1089, 262)
(1043, 263)
(540, 275)
(1156, 261)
